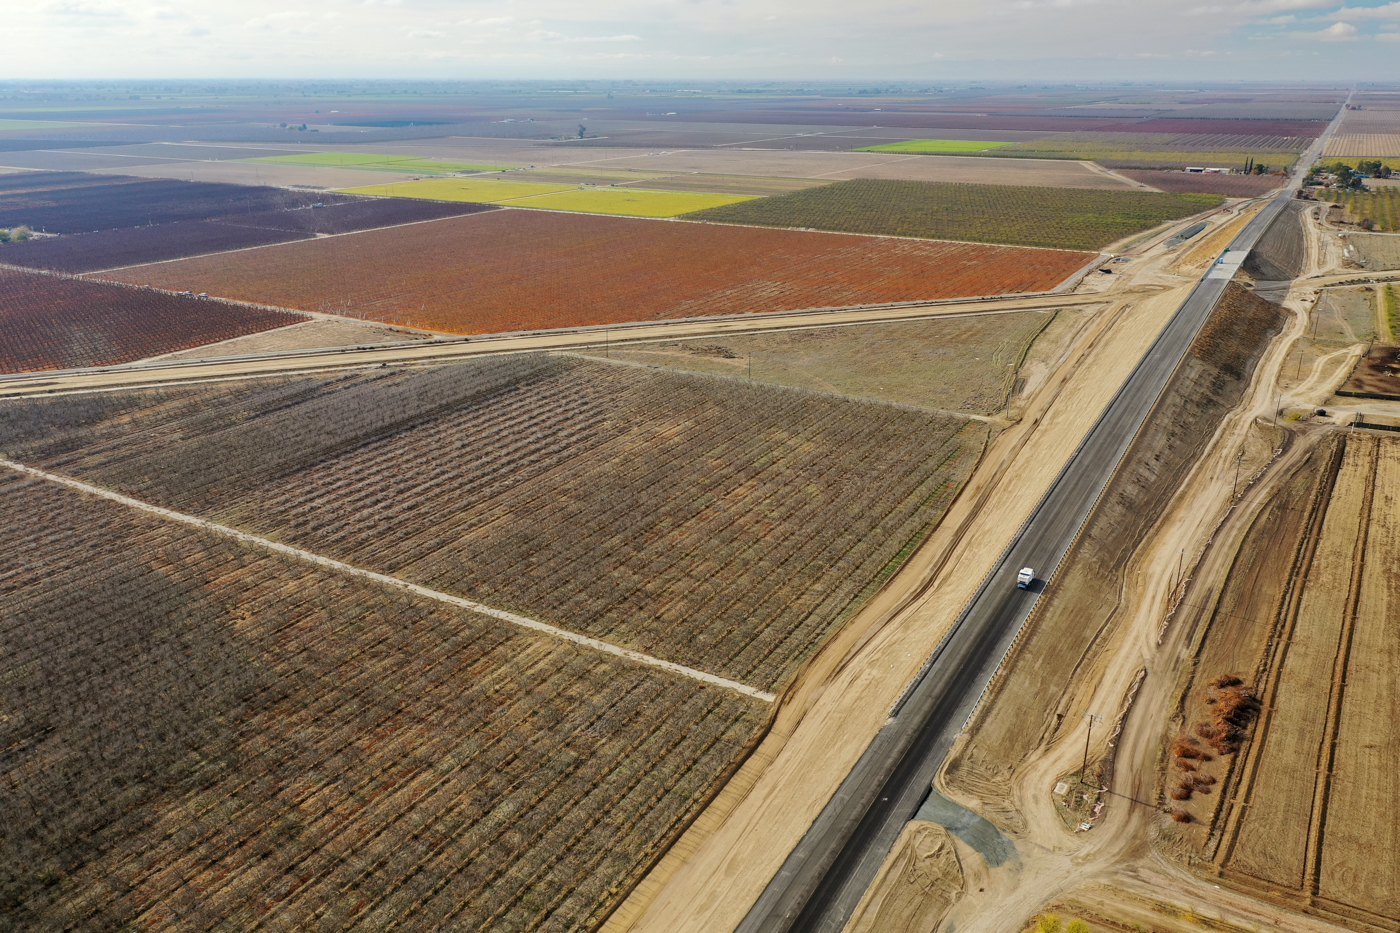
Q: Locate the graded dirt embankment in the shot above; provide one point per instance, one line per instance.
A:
(920, 880)
(1066, 638)
(715, 873)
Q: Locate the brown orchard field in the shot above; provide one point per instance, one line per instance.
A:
(57, 322)
(515, 270)
(203, 734)
(1232, 186)
(716, 524)
(1306, 812)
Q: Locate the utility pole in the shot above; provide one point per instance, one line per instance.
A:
(1092, 719)
(750, 366)
(607, 344)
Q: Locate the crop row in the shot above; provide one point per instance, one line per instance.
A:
(128, 246)
(1066, 218)
(199, 734)
(1381, 207)
(724, 526)
(75, 203)
(515, 270)
(52, 322)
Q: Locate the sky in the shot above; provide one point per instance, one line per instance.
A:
(720, 39)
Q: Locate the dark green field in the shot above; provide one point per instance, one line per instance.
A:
(1065, 218)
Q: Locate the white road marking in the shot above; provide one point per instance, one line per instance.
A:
(329, 563)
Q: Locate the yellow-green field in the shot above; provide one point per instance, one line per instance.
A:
(934, 145)
(475, 190)
(379, 163)
(631, 202)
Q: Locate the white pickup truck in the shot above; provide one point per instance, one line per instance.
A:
(1025, 578)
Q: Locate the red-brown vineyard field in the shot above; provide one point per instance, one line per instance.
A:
(52, 322)
(519, 270)
(200, 734)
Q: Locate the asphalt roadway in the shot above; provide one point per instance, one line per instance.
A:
(822, 881)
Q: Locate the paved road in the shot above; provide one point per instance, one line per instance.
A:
(290, 362)
(822, 881)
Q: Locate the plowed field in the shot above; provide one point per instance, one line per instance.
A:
(1308, 813)
(49, 322)
(531, 270)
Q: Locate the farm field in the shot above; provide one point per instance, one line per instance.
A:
(515, 270)
(1381, 207)
(48, 322)
(962, 364)
(380, 163)
(471, 190)
(1375, 374)
(204, 734)
(1231, 186)
(632, 202)
(1058, 219)
(1309, 806)
(1154, 151)
(62, 202)
(110, 249)
(722, 526)
(934, 145)
(1380, 252)
(1364, 145)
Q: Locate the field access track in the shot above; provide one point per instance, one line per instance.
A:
(515, 270)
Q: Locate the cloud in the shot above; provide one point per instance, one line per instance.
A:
(1388, 11)
(1199, 53)
(1337, 32)
(1281, 20)
(425, 34)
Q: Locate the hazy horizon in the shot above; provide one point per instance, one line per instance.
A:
(1003, 40)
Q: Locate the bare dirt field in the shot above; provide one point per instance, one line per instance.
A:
(966, 364)
(308, 335)
(1381, 251)
(1029, 702)
(249, 173)
(200, 734)
(1377, 374)
(815, 165)
(1308, 620)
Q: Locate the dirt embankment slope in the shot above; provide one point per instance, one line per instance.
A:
(1065, 640)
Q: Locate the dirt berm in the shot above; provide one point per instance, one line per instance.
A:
(1062, 642)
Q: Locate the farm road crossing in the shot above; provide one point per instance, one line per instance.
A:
(824, 878)
(582, 641)
(173, 372)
